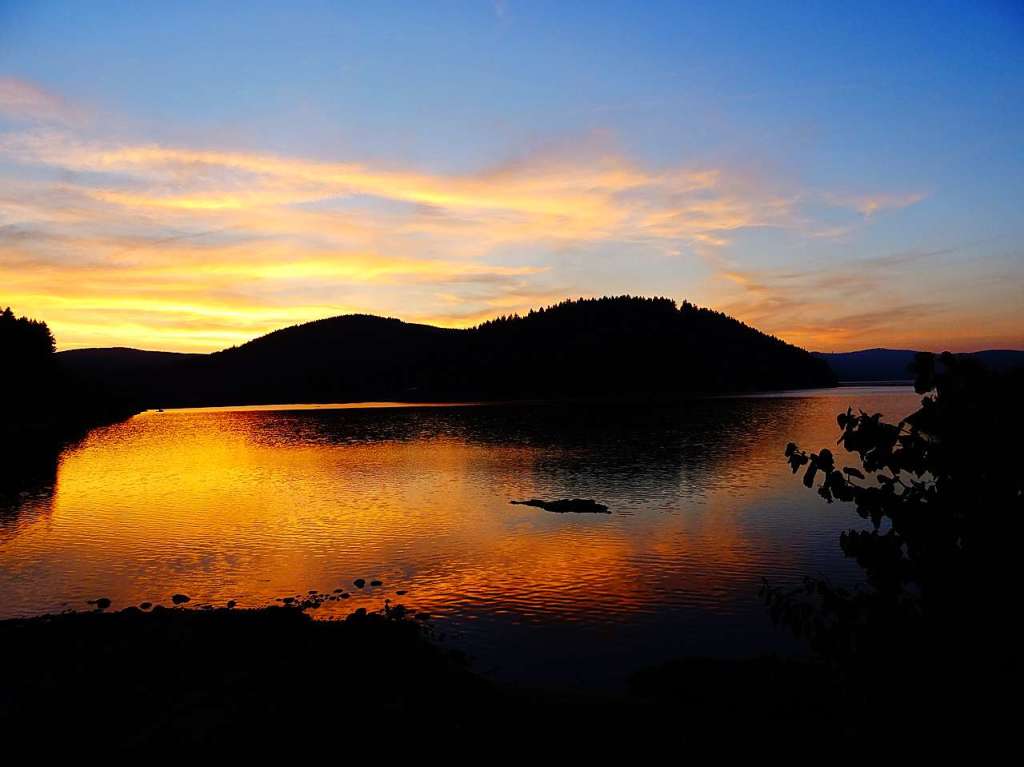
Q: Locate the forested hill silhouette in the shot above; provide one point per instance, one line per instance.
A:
(587, 347)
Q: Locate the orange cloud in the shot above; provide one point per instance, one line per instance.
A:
(875, 302)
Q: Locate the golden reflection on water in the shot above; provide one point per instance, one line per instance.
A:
(253, 505)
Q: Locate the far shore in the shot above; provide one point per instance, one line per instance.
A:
(641, 399)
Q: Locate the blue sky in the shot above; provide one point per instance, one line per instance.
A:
(186, 176)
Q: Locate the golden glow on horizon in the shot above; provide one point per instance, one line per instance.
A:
(178, 248)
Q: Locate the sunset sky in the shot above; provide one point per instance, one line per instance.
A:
(188, 176)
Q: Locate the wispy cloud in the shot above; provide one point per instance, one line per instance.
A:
(586, 197)
(910, 299)
(21, 100)
(871, 204)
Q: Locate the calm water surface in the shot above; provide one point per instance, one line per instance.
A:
(257, 504)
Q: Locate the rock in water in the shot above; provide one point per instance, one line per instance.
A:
(179, 599)
(574, 505)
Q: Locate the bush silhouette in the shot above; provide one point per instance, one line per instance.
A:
(942, 491)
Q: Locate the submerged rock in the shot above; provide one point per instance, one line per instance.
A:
(180, 599)
(359, 583)
(102, 603)
(574, 505)
(376, 583)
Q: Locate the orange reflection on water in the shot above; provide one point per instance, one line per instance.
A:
(253, 505)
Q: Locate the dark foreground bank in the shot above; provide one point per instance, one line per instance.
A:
(240, 679)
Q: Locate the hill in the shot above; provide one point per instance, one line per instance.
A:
(894, 364)
(589, 347)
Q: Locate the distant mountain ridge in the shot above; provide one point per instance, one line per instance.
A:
(894, 364)
(587, 347)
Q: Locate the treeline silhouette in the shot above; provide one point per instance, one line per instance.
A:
(579, 348)
(29, 384)
(41, 399)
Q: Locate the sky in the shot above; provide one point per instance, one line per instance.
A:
(187, 176)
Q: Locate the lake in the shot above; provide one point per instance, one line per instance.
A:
(256, 504)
